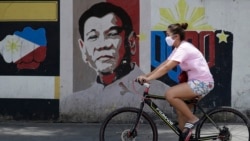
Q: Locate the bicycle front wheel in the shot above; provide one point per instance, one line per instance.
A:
(117, 126)
(224, 124)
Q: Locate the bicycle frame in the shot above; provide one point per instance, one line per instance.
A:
(147, 98)
(160, 113)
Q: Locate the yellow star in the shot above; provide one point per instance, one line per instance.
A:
(222, 37)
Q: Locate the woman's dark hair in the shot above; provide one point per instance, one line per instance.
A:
(178, 29)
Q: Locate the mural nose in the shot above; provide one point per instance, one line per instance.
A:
(102, 42)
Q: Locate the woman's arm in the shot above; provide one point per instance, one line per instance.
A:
(162, 69)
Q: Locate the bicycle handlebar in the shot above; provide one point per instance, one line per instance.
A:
(146, 84)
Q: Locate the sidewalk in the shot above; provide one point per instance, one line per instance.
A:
(31, 131)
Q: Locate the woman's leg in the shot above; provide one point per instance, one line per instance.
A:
(182, 119)
(175, 96)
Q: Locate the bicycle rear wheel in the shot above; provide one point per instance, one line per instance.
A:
(233, 126)
(117, 126)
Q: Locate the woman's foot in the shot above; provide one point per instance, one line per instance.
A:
(187, 132)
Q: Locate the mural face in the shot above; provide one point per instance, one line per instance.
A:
(108, 42)
(103, 47)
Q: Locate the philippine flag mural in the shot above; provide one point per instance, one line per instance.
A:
(27, 48)
(29, 40)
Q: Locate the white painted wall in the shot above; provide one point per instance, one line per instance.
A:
(66, 47)
(37, 87)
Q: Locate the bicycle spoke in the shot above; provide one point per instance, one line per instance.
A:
(118, 127)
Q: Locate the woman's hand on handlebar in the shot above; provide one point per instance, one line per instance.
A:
(142, 79)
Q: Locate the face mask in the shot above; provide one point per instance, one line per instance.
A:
(169, 41)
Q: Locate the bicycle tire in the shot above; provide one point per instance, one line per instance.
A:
(122, 120)
(234, 125)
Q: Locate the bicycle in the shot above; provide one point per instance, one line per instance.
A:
(220, 123)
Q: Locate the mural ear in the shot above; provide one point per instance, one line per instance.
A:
(83, 50)
(132, 42)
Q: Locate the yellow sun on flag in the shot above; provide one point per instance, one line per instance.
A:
(195, 22)
(13, 46)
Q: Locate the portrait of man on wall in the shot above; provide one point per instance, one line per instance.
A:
(108, 44)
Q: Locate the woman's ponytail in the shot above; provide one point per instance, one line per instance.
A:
(184, 25)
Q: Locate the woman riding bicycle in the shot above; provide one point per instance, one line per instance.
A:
(200, 80)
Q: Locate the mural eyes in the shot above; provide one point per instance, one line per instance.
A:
(92, 38)
(112, 33)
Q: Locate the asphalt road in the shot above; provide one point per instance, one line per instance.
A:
(33, 131)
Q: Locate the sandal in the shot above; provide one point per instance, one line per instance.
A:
(188, 130)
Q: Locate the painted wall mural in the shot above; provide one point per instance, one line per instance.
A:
(27, 49)
(29, 59)
(216, 46)
(106, 55)
(29, 41)
(108, 44)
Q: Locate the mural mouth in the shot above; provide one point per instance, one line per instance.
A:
(105, 58)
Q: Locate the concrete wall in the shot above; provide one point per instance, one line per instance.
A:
(218, 28)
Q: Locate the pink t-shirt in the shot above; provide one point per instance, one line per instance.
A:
(192, 61)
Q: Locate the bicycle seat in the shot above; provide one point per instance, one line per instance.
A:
(195, 100)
